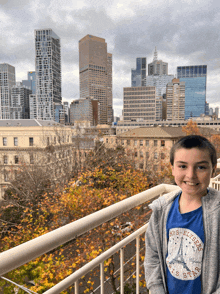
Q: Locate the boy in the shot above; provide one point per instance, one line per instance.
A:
(183, 235)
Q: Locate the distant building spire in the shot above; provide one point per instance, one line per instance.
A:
(155, 54)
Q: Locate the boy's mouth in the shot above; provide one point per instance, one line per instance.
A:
(191, 184)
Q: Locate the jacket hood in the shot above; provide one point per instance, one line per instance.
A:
(212, 199)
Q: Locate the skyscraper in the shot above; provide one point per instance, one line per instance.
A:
(95, 74)
(157, 67)
(7, 81)
(138, 75)
(175, 97)
(195, 88)
(48, 73)
(20, 101)
(31, 81)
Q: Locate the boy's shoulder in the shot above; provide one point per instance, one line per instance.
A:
(212, 199)
(164, 200)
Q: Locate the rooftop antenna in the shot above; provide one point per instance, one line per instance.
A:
(155, 54)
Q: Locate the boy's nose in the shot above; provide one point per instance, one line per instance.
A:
(191, 173)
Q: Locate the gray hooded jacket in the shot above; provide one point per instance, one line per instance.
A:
(156, 243)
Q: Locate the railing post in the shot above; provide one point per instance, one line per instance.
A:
(102, 277)
(137, 263)
(77, 287)
(122, 271)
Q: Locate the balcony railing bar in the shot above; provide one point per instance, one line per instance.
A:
(122, 270)
(137, 263)
(19, 286)
(102, 277)
(77, 287)
(19, 255)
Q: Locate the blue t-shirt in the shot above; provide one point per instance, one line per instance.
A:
(185, 235)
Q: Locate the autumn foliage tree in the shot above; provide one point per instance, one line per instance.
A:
(191, 128)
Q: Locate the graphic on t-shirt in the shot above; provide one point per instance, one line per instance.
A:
(184, 259)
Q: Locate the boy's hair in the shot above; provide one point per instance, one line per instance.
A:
(194, 141)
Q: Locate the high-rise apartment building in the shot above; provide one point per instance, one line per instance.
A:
(138, 75)
(157, 67)
(95, 74)
(175, 98)
(48, 73)
(7, 81)
(195, 88)
(139, 103)
(20, 101)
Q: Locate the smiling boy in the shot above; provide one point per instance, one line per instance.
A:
(183, 235)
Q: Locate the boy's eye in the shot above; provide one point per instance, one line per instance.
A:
(182, 166)
(201, 167)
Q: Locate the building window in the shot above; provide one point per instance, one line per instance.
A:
(141, 166)
(55, 140)
(31, 159)
(135, 154)
(31, 141)
(5, 159)
(135, 142)
(162, 156)
(4, 141)
(16, 159)
(48, 141)
(147, 154)
(155, 155)
(155, 143)
(146, 142)
(141, 154)
(162, 143)
(128, 142)
(106, 140)
(15, 141)
(6, 177)
(141, 143)
(122, 142)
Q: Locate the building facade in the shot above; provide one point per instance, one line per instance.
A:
(31, 81)
(139, 103)
(20, 101)
(195, 88)
(95, 74)
(175, 99)
(7, 81)
(48, 73)
(138, 75)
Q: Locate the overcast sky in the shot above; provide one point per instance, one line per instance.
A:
(185, 32)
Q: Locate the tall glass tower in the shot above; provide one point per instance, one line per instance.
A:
(195, 88)
(138, 75)
(48, 73)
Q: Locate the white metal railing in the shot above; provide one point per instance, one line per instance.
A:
(215, 182)
(19, 255)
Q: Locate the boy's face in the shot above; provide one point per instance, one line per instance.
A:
(192, 170)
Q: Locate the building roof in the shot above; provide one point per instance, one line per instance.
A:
(152, 132)
(164, 132)
(26, 123)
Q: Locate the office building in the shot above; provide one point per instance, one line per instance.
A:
(160, 82)
(20, 101)
(58, 113)
(157, 67)
(95, 74)
(31, 81)
(217, 111)
(175, 98)
(138, 75)
(7, 81)
(66, 112)
(48, 73)
(195, 88)
(206, 108)
(139, 103)
(86, 109)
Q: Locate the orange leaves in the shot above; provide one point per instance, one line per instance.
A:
(191, 128)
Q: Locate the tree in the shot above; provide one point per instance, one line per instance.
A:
(191, 128)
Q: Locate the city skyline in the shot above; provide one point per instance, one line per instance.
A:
(131, 30)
